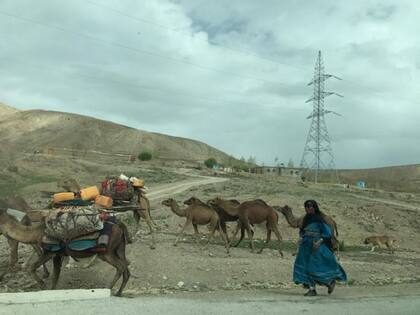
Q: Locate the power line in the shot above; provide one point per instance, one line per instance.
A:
(139, 85)
(134, 49)
(241, 51)
(318, 144)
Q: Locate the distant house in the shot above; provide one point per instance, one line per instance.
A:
(277, 170)
(361, 184)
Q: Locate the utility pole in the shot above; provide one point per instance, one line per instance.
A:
(318, 154)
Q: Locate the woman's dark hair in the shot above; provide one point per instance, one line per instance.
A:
(315, 217)
(312, 217)
(312, 203)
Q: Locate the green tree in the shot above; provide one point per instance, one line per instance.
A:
(210, 162)
(252, 160)
(145, 156)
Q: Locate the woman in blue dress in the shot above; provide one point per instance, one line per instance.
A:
(315, 261)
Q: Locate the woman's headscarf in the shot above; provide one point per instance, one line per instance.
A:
(312, 217)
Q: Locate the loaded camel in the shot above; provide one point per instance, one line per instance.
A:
(296, 222)
(197, 213)
(252, 212)
(17, 203)
(140, 210)
(33, 234)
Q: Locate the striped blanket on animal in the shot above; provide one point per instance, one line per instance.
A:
(67, 224)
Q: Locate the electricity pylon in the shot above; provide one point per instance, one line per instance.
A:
(318, 154)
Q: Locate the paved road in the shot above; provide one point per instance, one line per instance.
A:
(372, 301)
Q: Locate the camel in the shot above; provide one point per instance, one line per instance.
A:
(142, 210)
(197, 213)
(17, 203)
(296, 222)
(69, 184)
(226, 216)
(252, 212)
(114, 255)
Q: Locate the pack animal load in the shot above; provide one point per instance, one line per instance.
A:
(121, 188)
(68, 224)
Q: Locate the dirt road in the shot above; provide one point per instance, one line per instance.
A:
(168, 190)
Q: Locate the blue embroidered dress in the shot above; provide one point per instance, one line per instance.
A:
(320, 266)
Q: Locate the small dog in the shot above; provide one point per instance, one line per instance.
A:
(379, 241)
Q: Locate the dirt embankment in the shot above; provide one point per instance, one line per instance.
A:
(192, 267)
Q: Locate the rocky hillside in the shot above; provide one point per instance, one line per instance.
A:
(38, 130)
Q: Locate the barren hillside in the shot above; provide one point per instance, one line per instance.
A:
(396, 178)
(32, 130)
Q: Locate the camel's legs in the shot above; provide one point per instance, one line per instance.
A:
(113, 261)
(238, 227)
(41, 260)
(250, 237)
(38, 251)
(145, 215)
(267, 240)
(213, 226)
(145, 205)
(121, 269)
(13, 251)
(189, 221)
(236, 231)
(197, 235)
(223, 228)
(57, 262)
(224, 235)
(277, 232)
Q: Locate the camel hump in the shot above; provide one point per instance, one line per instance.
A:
(255, 202)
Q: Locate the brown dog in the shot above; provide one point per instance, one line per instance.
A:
(380, 241)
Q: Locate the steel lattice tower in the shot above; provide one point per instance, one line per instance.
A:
(318, 154)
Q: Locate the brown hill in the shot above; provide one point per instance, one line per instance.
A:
(32, 130)
(396, 178)
(6, 110)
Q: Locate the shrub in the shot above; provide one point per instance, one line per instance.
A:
(210, 162)
(145, 156)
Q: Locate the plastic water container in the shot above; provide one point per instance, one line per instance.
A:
(89, 193)
(64, 196)
(137, 182)
(103, 201)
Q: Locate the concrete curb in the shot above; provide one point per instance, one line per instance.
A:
(53, 296)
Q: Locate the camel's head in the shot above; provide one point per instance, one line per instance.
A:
(194, 200)
(168, 202)
(284, 210)
(190, 201)
(234, 202)
(68, 184)
(214, 202)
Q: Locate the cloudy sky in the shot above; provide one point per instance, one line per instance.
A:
(232, 74)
